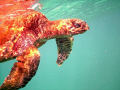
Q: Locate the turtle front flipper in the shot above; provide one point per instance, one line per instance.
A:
(64, 48)
(23, 70)
(6, 52)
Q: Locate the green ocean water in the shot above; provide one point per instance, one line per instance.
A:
(94, 63)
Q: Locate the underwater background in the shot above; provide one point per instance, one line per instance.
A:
(94, 63)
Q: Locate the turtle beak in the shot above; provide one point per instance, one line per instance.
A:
(86, 27)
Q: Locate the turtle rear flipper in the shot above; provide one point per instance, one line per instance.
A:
(64, 46)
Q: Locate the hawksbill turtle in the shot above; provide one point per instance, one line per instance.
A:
(21, 36)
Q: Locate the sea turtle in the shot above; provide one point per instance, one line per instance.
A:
(21, 36)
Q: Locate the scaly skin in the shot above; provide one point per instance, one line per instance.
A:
(21, 36)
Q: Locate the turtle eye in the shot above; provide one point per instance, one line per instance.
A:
(77, 25)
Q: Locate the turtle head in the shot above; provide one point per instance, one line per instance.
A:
(65, 27)
(75, 26)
